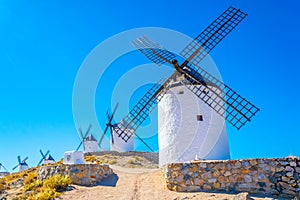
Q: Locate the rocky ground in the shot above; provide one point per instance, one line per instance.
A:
(136, 177)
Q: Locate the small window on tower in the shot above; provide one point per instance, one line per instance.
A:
(199, 118)
(180, 90)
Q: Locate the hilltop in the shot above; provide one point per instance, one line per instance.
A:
(136, 176)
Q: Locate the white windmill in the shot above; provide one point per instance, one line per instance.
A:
(3, 173)
(46, 158)
(2, 166)
(89, 142)
(192, 102)
(116, 143)
(22, 164)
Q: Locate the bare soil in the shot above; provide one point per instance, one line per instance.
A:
(137, 184)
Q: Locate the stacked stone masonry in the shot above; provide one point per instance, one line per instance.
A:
(275, 177)
(80, 174)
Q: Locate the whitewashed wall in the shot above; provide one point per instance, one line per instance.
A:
(182, 137)
(90, 146)
(120, 145)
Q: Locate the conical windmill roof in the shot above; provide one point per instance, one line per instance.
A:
(91, 138)
(50, 157)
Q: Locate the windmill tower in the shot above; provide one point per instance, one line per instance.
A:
(46, 160)
(89, 142)
(22, 164)
(116, 143)
(3, 173)
(191, 129)
(2, 166)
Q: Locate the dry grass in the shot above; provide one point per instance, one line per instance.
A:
(44, 190)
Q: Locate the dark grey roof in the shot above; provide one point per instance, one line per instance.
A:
(91, 138)
(50, 157)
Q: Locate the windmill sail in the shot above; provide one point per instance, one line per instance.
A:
(44, 156)
(108, 125)
(153, 51)
(130, 123)
(83, 137)
(224, 100)
(202, 45)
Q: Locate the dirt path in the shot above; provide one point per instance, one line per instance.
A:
(132, 185)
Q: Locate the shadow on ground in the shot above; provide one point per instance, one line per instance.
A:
(110, 181)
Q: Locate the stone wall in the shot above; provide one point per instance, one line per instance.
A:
(276, 177)
(80, 174)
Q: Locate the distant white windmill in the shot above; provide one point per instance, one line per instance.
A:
(2, 166)
(89, 142)
(23, 165)
(45, 159)
(4, 173)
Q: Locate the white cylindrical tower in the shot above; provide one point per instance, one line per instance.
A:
(119, 144)
(23, 166)
(90, 144)
(189, 129)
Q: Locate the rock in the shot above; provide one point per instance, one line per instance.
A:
(261, 177)
(289, 174)
(213, 180)
(227, 173)
(216, 174)
(186, 177)
(198, 182)
(262, 184)
(297, 169)
(202, 165)
(289, 192)
(280, 169)
(283, 184)
(279, 174)
(237, 165)
(245, 164)
(272, 179)
(221, 166)
(262, 165)
(193, 188)
(180, 188)
(217, 185)
(289, 169)
(296, 176)
(253, 162)
(222, 179)
(245, 171)
(293, 164)
(285, 179)
(206, 175)
(283, 163)
(206, 187)
(248, 178)
(228, 166)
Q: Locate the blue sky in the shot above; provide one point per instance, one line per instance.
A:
(44, 43)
